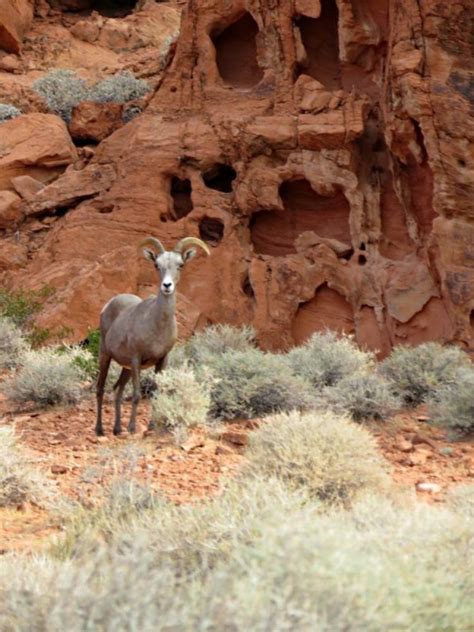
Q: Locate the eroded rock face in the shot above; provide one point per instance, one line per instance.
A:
(15, 19)
(325, 153)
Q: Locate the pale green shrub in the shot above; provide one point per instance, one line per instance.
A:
(252, 383)
(8, 112)
(19, 481)
(12, 344)
(417, 372)
(363, 396)
(46, 378)
(461, 499)
(325, 359)
(256, 562)
(332, 458)
(180, 401)
(62, 90)
(119, 88)
(207, 345)
(452, 403)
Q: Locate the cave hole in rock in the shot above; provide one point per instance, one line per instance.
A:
(326, 310)
(220, 177)
(247, 287)
(211, 230)
(362, 260)
(274, 232)
(321, 42)
(236, 53)
(113, 8)
(181, 194)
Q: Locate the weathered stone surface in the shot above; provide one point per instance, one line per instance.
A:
(37, 145)
(95, 121)
(333, 182)
(70, 188)
(15, 20)
(10, 214)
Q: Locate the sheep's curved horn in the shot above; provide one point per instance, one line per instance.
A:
(191, 241)
(152, 241)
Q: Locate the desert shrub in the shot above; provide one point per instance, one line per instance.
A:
(332, 458)
(325, 359)
(252, 383)
(131, 112)
(46, 378)
(363, 396)
(62, 90)
(12, 344)
(452, 403)
(417, 372)
(20, 305)
(119, 88)
(20, 482)
(207, 345)
(461, 499)
(8, 112)
(180, 401)
(255, 560)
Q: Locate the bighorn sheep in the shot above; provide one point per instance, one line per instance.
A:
(140, 333)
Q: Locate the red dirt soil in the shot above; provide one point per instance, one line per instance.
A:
(66, 448)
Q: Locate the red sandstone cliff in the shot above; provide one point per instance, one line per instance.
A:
(324, 151)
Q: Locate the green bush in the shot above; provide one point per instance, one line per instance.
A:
(363, 396)
(325, 359)
(417, 372)
(19, 306)
(12, 344)
(180, 401)
(252, 383)
(332, 458)
(8, 112)
(19, 481)
(452, 403)
(119, 88)
(47, 377)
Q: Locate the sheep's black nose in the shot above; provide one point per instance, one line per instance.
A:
(167, 285)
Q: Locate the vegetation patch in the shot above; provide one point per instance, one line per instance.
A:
(452, 403)
(330, 457)
(415, 373)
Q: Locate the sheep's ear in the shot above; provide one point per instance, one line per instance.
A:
(149, 254)
(189, 254)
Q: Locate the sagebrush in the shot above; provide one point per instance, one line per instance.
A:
(325, 359)
(20, 481)
(12, 344)
(452, 404)
(363, 396)
(47, 377)
(327, 455)
(8, 112)
(252, 383)
(180, 401)
(415, 373)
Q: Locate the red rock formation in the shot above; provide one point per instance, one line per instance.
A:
(324, 150)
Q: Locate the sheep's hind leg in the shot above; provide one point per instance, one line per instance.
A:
(159, 366)
(136, 395)
(119, 388)
(104, 363)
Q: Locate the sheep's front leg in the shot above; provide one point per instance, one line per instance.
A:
(159, 366)
(136, 393)
(119, 386)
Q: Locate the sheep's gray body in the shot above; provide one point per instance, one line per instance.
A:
(138, 333)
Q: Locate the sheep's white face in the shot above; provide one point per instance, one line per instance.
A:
(169, 266)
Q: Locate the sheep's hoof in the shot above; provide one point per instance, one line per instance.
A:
(117, 431)
(99, 432)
